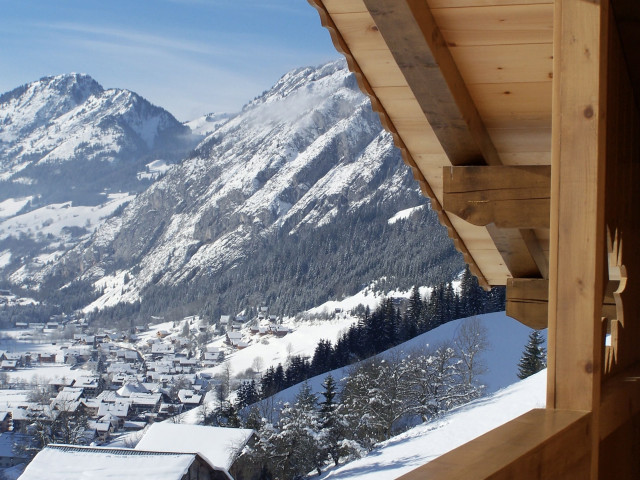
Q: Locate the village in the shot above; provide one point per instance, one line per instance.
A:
(116, 383)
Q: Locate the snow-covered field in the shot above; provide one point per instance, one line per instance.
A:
(52, 219)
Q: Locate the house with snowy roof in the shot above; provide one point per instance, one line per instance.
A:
(220, 447)
(189, 398)
(145, 402)
(62, 462)
(233, 337)
(9, 455)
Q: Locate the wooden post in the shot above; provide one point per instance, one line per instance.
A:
(577, 243)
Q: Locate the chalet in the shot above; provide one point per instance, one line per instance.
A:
(161, 349)
(68, 398)
(220, 446)
(128, 356)
(92, 385)
(66, 461)
(162, 333)
(18, 358)
(6, 422)
(189, 398)
(130, 388)
(46, 357)
(20, 418)
(86, 340)
(233, 338)
(9, 455)
(119, 368)
(118, 409)
(521, 122)
(52, 325)
(22, 325)
(8, 365)
(281, 331)
(145, 402)
(57, 384)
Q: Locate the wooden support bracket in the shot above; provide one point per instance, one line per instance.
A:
(528, 301)
(507, 196)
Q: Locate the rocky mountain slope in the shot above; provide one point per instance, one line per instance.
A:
(71, 153)
(287, 204)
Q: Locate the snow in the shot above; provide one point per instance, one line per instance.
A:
(155, 169)
(369, 296)
(53, 218)
(11, 206)
(207, 124)
(217, 445)
(115, 291)
(5, 258)
(56, 463)
(272, 350)
(404, 214)
(417, 446)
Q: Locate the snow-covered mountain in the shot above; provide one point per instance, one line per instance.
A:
(287, 203)
(71, 153)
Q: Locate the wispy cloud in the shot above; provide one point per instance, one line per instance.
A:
(139, 38)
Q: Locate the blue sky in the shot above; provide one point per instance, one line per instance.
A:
(188, 56)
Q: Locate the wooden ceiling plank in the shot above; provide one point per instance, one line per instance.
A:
(526, 140)
(514, 105)
(344, 6)
(380, 68)
(359, 31)
(496, 25)
(505, 63)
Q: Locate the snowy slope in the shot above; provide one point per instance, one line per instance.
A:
(421, 444)
(506, 337)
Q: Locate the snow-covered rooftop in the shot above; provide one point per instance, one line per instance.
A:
(216, 445)
(63, 462)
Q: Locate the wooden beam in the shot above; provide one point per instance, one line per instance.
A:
(514, 251)
(528, 301)
(577, 240)
(538, 444)
(507, 196)
(411, 33)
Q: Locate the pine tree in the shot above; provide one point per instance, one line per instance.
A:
(332, 427)
(533, 358)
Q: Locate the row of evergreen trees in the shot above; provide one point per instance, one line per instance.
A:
(386, 327)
